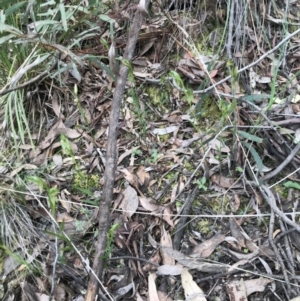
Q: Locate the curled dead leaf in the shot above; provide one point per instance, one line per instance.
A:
(206, 248)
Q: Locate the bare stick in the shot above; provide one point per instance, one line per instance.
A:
(111, 158)
(269, 197)
(288, 159)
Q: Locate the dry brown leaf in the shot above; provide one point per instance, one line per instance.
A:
(275, 233)
(166, 130)
(137, 295)
(149, 205)
(237, 264)
(213, 73)
(174, 192)
(193, 263)
(152, 241)
(20, 168)
(236, 290)
(26, 146)
(142, 74)
(163, 296)
(130, 202)
(130, 178)
(52, 134)
(166, 241)
(152, 290)
(169, 269)
(70, 133)
(188, 142)
(147, 46)
(143, 175)
(218, 146)
(127, 153)
(175, 118)
(236, 232)
(206, 248)
(95, 163)
(235, 204)
(64, 217)
(29, 292)
(10, 263)
(225, 182)
(243, 256)
(167, 214)
(59, 293)
(57, 160)
(43, 297)
(56, 107)
(256, 285)
(192, 291)
(40, 158)
(155, 259)
(87, 116)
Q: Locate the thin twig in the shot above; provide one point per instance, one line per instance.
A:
(288, 37)
(274, 247)
(54, 268)
(269, 197)
(180, 227)
(279, 168)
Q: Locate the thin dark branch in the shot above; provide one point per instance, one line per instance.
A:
(111, 159)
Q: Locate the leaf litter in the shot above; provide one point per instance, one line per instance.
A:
(227, 234)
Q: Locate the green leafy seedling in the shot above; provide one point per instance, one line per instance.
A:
(239, 169)
(136, 152)
(110, 239)
(52, 192)
(291, 184)
(154, 155)
(201, 183)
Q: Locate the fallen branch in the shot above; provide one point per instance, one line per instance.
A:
(270, 198)
(288, 159)
(111, 157)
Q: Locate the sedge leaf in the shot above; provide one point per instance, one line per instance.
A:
(250, 136)
(255, 155)
(291, 184)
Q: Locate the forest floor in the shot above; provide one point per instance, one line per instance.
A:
(206, 197)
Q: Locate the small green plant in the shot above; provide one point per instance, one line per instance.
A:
(291, 184)
(239, 169)
(84, 182)
(188, 93)
(110, 239)
(136, 152)
(66, 147)
(204, 226)
(154, 156)
(51, 192)
(201, 183)
(78, 104)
